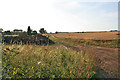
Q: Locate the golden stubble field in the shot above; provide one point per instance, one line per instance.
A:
(89, 35)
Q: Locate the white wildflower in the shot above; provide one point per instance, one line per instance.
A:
(39, 62)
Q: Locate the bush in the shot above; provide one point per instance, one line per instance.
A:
(42, 31)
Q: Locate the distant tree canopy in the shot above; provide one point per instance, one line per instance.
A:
(1, 29)
(56, 32)
(113, 30)
(34, 32)
(17, 30)
(29, 30)
(8, 32)
(42, 31)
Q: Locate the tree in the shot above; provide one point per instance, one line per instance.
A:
(29, 30)
(45, 31)
(8, 32)
(34, 32)
(1, 29)
(56, 32)
(42, 31)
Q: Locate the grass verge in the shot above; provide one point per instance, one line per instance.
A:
(54, 61)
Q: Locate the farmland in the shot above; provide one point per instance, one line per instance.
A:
(89, 35)
(103, 39)
(103, 46)
(70, 57)
(59, 39)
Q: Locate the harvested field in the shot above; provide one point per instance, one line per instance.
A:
(106, 58)
(103, 39)
(89, 36)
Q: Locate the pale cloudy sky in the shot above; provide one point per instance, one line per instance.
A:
(59, 15)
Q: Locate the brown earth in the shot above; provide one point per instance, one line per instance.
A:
(106, 58)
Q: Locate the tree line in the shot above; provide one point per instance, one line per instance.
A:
(29, 31)
(41, 31)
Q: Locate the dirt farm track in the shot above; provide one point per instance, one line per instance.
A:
(106, 58)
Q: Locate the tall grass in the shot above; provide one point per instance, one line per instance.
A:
(55, 61)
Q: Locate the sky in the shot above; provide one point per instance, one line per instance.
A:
(59, 15)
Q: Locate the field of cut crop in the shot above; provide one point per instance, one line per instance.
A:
(89, 35)
(103, 39)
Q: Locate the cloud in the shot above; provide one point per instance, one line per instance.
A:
(109, 14)
(98, 0)
(69, 5)
(54, 15)
(18, 14)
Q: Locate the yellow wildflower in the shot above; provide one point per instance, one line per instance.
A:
(32, 67)
(70, 72)
(13, 72)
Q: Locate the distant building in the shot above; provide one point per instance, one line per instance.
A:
(17, 30)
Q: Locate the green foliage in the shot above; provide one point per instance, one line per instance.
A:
(7, 32)
(56, 61)
(29, 30)
(1, 29)
(42, 31)
(56, 32)
(34, 32)
(102, 43)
